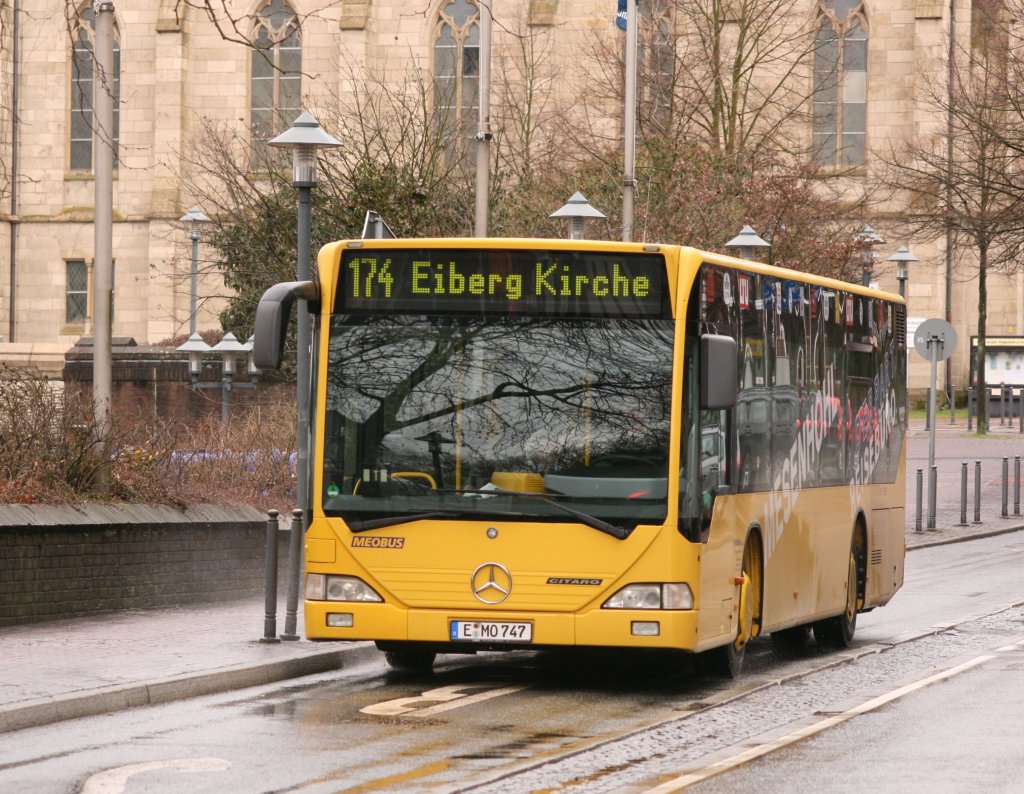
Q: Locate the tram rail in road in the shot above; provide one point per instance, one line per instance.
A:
(751, 711)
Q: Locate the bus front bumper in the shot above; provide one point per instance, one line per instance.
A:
(612, 628)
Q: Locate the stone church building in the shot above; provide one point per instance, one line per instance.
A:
(179, 63)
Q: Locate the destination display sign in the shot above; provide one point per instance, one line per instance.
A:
(503, 281)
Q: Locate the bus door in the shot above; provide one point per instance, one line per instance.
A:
(706, 453)
(706, 511)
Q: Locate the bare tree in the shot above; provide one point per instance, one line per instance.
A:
(394, 161)
(723, 132)
(741, 74)
(528, 139)
(963, 177)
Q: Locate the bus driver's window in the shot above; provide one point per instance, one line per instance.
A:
(705, 455)
(714, 457)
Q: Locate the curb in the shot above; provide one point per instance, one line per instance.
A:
(961, 538)
(44, 711)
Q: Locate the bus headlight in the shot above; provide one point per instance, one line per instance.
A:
(668, 595)
(320, 587)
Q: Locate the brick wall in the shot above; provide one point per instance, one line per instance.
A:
(60, 562)
(150, 383)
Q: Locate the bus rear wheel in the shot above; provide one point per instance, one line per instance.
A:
(838, 632)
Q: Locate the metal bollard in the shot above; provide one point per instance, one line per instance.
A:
(917, 515)
(270, 581)
(294, 549)
(1016, 485)
(977, 492)
(963, 494)
(1004, 512)
(933, 476)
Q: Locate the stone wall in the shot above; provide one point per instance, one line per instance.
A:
(70, 561)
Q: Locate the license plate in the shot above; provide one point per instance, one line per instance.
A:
(490, 631)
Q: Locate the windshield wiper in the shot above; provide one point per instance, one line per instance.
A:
(585, 518)
(390, 521)
(591, 521)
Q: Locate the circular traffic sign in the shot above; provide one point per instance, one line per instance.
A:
(938, 334)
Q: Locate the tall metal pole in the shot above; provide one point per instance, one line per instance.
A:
(15, 223)
(629, 123)
(483, 134)
(933, 348)
(303, 344)
(103, 135)
(951, 89)
(194, 233)
(303, 138)
(303, 352)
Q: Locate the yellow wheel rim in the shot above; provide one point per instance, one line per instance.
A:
(746, 617)
(851, 588)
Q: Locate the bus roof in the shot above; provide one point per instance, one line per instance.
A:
(688, 255)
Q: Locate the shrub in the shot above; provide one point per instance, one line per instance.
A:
(49, 445)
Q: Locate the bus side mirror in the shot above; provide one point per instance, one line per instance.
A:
(272, 315)
(718, 372)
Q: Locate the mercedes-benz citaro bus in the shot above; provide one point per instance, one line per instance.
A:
(529, 443)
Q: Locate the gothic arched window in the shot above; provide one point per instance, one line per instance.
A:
(457, 71)
(840, 83)
(657, 64)
(276, 81)
(84, 82)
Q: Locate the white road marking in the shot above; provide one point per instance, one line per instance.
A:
(114, 781)
(445, 698)
(764, 748)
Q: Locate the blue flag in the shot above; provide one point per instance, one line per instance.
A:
(620, 16)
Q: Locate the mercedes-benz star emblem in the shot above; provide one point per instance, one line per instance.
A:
(491, 583)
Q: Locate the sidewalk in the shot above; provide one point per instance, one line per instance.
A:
(955, 446)
(64, 669)
(74, 668)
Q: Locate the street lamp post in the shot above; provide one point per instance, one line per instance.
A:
(303, 138)
(577, 209)
(747, 242)
(229, 348)
(195, 219)
(903, 257)
(866, 240)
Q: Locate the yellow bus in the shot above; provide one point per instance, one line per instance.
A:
(526, 443)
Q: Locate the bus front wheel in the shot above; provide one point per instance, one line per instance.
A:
(728, 659)
(410, 660)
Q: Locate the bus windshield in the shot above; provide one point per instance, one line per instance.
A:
(520, 418)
